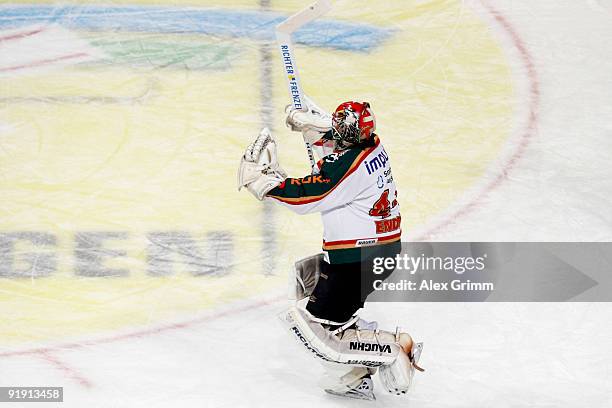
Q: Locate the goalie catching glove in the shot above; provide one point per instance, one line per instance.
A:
(259, 170)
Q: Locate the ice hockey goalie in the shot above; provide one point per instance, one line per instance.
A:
(357, 197)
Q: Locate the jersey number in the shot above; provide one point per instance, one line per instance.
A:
(382, 206)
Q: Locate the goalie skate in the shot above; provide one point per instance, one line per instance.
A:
(363, 390)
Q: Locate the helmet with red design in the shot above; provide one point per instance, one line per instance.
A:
(352, 123)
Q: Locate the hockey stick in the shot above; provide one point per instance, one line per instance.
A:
(283, 38)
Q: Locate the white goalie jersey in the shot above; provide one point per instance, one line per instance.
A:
(356, 196)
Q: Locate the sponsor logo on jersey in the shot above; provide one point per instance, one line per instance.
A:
(364, 242)
(384, 226)
(382, 348)
(333, 157)
(314, 179)
(330, 158)
(378, 162)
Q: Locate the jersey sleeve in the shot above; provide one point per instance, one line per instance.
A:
(334, 186)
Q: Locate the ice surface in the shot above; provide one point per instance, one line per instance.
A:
(134, 274)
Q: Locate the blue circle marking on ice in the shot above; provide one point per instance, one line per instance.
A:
(258, 25)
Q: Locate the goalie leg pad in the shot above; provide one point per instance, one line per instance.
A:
(398, 377)
(307, 272)
(363, 348)
(394, 353)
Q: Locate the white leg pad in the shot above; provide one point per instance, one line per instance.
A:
(363, 348)
(398, 377)
(353, 351)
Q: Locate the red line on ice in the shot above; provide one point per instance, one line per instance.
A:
(523, 142)
(44, 62)
(21, 35)
(527, 134)
(142, 333)
(46, 352)
(64, 368)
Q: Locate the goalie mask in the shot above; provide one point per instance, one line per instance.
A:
(352, 123)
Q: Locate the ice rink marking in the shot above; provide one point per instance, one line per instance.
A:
(524, 139)
(49, 355)
(20, 35)
(258, 25)
(146, 332)
(47, 61)
(136, 334)
(65, 369)
(42, 352)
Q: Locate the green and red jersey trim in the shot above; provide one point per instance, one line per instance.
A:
(352, 243)
(313, 198)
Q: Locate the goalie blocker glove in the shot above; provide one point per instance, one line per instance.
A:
(313, 122)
